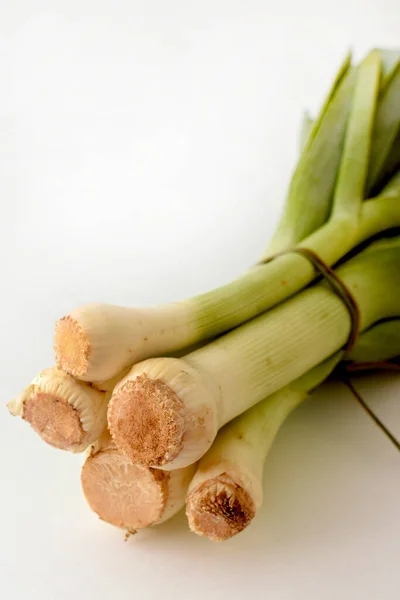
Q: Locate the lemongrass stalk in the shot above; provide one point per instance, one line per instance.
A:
(340, 76)
(390, 60)
(379, 343)
(131, 496)
(378, 175)
(309, 197)
(67, 414)
(310, 127)
(389, 64)
(226, 491)
(350, 186)
(166, 412)
(387, 127)
(96, 342)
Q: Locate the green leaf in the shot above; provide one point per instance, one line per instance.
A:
(309, 198)
(389, 59)
(386, 130)
(306, 126)
(353, 171)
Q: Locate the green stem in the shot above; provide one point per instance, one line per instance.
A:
(350, 187)
(308, 203)
(387, 126)
(267, 353)
(248, 438)
(390, 60)
(264, 286)
(379, 343)
(235, 462)
(340, 75)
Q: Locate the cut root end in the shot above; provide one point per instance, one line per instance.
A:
(145, 421)
(66, 413)
(55, 420)
(71, 346)
(219, 508)
(123, 494)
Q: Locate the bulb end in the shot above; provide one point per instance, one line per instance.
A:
(145, 421)
(55, 420)
(123, 494)
(219, 508)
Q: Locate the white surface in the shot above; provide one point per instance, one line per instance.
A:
(144, 152)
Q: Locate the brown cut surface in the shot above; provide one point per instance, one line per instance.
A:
(55, 420)
(71, 347)
(145, 420)
(219, 508)
(123, 494)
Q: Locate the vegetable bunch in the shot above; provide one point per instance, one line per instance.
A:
(180, 403)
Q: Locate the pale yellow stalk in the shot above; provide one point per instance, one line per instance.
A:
(166, 412)
(96, 342)
(226, 491)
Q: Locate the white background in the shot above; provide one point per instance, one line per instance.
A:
(145, 149)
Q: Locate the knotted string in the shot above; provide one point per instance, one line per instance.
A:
(340, 288)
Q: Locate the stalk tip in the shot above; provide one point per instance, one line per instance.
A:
(219, 508)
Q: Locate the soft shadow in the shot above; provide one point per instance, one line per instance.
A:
(326, 482)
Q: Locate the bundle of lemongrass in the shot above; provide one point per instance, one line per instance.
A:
(196, 426)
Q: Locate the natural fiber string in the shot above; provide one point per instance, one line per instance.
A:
(339, 287)
(371, 414)
(336, 284)
(385, 365)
